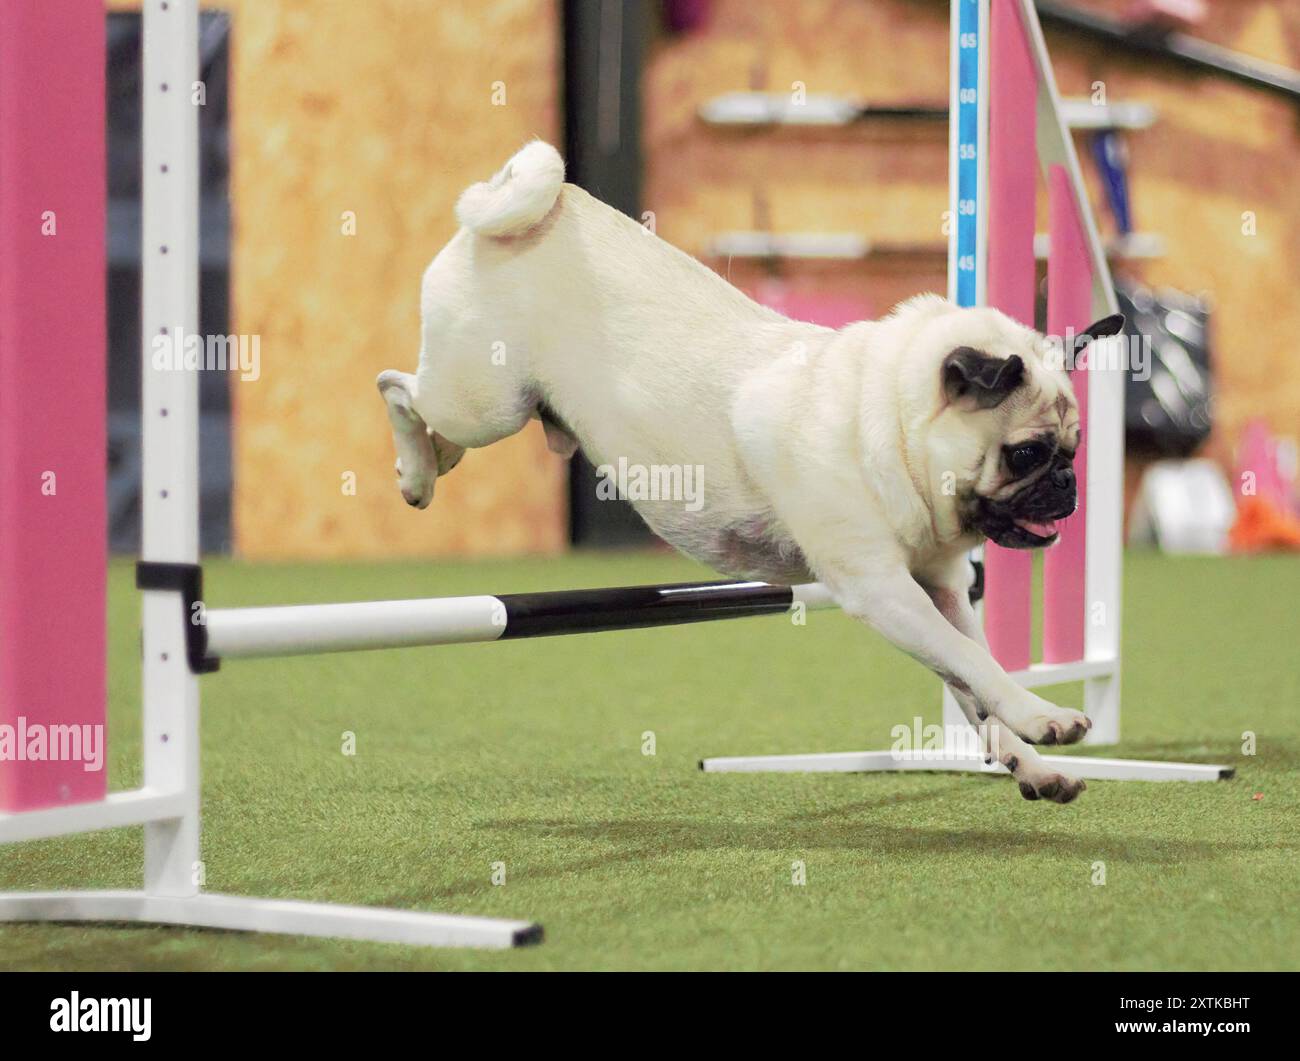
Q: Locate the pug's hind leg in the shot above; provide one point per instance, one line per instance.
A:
(417, 461)
(447, 454)
(1036, 779)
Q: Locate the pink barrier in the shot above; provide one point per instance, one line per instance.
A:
(1012, 187)
(52, 400)
(1069, 307)
(1257, 456)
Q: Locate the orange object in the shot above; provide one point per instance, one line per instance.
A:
(1262, 524)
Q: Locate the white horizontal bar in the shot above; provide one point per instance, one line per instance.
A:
(1138, 769)
(313, 628)
(1052, 673)
(115, 811)
(850, 246)
(779, 108)
(846, 763)
(1081, 113)
(814, 595)
(1133, 245)
(782, 108)
(831, 246)
(872, 762)
(287, 917)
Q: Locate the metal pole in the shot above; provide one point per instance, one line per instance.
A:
(169, 415)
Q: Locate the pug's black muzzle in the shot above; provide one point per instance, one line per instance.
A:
(1026, 520)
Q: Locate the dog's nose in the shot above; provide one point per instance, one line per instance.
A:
(1063, 477)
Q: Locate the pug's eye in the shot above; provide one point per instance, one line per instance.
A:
(1024, 458)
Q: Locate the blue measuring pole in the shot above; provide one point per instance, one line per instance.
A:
(967, 146)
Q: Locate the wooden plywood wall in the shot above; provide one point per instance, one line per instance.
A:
(886, 181)
(1218, 150)
(383, 109)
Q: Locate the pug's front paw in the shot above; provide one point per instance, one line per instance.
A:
(1037, 781)
(1057, 788)
(1040, 722)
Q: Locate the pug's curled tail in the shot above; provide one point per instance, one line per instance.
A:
(519, 196)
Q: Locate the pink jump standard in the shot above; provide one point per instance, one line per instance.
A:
(1012, 147)
(1069, 301)
(53, 536)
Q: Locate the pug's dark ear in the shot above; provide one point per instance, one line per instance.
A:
(1102, 329)
(980, 380)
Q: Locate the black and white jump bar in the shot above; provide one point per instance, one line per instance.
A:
(308, 629)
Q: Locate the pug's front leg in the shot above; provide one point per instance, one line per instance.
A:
(1036, 779)
(890, 600)
(1036, 720)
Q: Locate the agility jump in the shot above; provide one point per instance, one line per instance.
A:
(54, 554)
(1005, 127)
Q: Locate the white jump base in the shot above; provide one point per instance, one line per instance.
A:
(1084, 766)
(281, 916)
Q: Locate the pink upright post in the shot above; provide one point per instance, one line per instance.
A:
(1012, 169)
(1069, 305)
(52, 402)
(1257, 455)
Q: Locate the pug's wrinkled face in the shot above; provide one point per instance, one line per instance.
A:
(1024, 481)
(1038, 488)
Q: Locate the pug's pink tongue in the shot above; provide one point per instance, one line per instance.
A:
(1043, 530)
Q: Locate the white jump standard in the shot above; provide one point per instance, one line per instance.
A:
(168, 804)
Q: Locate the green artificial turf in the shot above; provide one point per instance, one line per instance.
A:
(530, 754)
